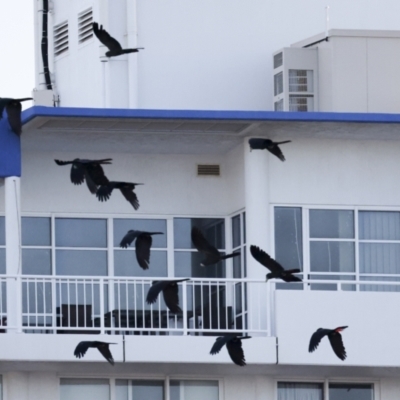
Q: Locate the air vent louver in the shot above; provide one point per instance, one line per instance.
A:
(208, 170)
(85, 30)
(61, 38)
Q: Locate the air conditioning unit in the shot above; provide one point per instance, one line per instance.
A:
(295, 79)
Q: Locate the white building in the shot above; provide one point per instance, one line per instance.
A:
(332, 210)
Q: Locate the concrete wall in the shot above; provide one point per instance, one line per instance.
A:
(198, 55)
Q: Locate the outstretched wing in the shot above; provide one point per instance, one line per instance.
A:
(105, 38)
(130, 195)
(154, 291)
(104, 349)
(276, 151)
(13, 109)
(81, 349)
(96, 173)
(263, 258)
(235, 351)
(203, 246)
(104, 192)
(220, 342)
(129, 238)
(143, 245)
(171, 297)
(336, 341)
(316, 338)
(77, 173)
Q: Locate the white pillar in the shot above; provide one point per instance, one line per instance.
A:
(256, 167)
(16, 386)
(13, 252)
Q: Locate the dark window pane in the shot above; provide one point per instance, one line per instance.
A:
(36, 261)
(379, 225)
(380, 258)
(213, 229)
(141, 390)
(332, 224)
(296, 391)
(122, 226)
(187, 264)
(244, 227)
(81, 262)
(2, 261)
(288, 237)
(80, 232)
(350, 391)
(125, 264)
(36, 231)
(237, 267)
(329, 256)
(2, 231)
(236, 240)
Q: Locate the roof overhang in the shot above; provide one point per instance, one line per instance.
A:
(189, 131)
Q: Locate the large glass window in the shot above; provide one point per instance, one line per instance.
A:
(300, 391)
(84, 389)
(139, 389)
(340, 245)
(193, 390)
(2, 246)
(350, 391)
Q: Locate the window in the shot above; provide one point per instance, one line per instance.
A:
(139, 389)
(278, 83)
(300, 391)
(315, 391)
(350, 391)
(193, 390)
(60, 35)
(340, 245)
(84, 389)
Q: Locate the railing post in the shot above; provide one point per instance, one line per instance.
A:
(184, 305)
(19, 304)
(101, 291)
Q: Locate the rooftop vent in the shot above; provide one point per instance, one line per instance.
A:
(85, 30)
(61, 38)
(208, 170)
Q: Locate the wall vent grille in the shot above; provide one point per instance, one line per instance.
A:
(85, 28)
(208, 170)
(61, 44)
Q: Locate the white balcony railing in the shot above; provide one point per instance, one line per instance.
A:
(106, 305)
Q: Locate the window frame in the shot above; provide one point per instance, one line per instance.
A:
(165, 378)
(325, 382)
(305, 215)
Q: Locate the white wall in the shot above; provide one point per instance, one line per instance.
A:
(213, 54)
(171, 184)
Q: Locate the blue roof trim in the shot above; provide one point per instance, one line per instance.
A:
(67, 112)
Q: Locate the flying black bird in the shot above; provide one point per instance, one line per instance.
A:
(126, 188)
(13, 108)
(203, 246)
(90, 171)
(334, 337)
(277, 271)
(142, 245)
(234, 346)
(267, 144)
(82, 348)
(170, 293)
(115, 49)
